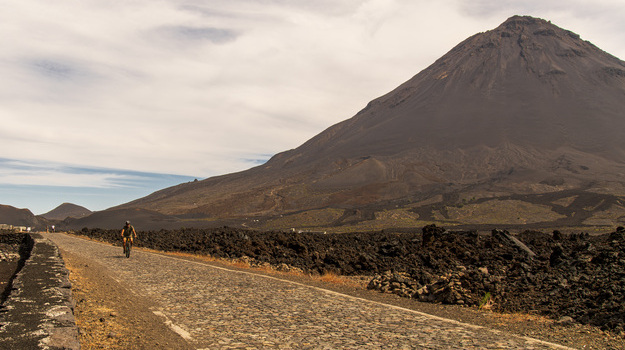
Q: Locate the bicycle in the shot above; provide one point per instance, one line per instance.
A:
(127, 247)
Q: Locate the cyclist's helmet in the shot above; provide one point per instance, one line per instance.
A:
(127, 222)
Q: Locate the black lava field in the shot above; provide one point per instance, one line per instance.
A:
(553, 274)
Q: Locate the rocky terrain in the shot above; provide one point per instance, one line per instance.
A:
(573, 278)
(37, 308)
(12, 247)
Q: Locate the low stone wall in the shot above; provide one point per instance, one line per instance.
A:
(38, 313)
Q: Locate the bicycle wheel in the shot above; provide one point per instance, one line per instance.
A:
(128, 248)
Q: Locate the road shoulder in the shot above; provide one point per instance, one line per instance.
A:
(112, 317)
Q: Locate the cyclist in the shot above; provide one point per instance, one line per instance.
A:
(127, 233)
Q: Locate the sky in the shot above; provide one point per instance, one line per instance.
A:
(103, 102)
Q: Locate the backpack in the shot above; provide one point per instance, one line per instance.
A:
(128, 230)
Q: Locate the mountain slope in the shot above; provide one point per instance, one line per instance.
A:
(18, 217)
(526, 108)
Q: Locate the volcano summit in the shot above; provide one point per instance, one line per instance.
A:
(522, 124)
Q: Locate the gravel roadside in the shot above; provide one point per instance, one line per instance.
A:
(109, 316)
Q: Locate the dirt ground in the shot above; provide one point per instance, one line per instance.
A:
(7, 269)
(111, 317)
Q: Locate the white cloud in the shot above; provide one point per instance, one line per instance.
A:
(17, 172)
(52, 177)
(42, 186)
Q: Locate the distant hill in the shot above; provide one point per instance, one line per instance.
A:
(19, 217)
(141, 219)
(67, 210)
(523, 124)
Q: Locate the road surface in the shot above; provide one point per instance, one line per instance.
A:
(212, 307)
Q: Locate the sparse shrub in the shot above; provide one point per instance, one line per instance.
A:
(484, 303)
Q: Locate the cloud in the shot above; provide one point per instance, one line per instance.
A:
(18, 172)
(41, 186)
(55, 70)
(579, 8)
(198, 34)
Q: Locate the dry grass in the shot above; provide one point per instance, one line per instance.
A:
(385, 219)
(507, 319)
(90, 311)
(610, 217)
(305, 220)
(240, 264)
(502, 212)
(336, 279)
(565, 202)
(328, 277)
(110, 316)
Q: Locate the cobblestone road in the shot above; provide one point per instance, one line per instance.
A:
(217, 308)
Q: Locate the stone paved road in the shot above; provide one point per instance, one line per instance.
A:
(217, 308)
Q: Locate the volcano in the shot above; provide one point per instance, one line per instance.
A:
(522, 124)
(66, 210)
